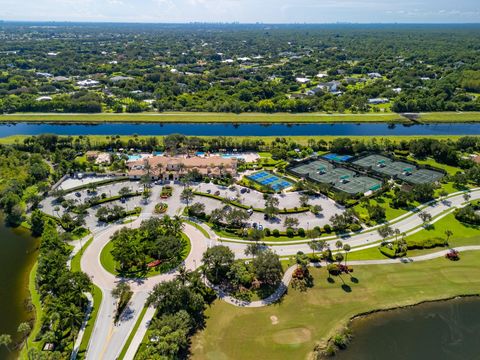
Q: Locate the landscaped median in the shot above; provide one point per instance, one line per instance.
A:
(109, 264)
(97, 300)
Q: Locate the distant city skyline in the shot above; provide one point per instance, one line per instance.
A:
(244, 11)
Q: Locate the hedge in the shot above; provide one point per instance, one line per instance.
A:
(426, 243)
(114, 198)
(98, 183)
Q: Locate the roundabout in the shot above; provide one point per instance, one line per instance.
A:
(110, 339)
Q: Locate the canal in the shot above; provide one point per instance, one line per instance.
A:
(221, 129)
(16, 259)
(447, 330)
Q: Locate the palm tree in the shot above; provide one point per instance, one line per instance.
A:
(448, 233)
(253, 249)
(346, 248)
(6, 340)
(183, 274)
(73, 316)
(159, 168)
(313, 245)
(24, 329)
(339, 244)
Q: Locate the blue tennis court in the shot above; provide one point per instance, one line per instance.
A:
(268, 179)
(337, 158)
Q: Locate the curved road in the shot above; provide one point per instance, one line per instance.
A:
(108, 340)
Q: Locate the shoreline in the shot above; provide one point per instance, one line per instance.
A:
(323, 344)
(231, 118)
(301, 139)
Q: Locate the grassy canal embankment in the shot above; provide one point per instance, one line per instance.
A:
(291, 328)
(192, 117)
(302, 140)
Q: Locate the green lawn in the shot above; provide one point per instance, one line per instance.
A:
(451, 170)
(463, 234)
(450, 116)
(187, 117)
(35, 299)
(291, 329)
(385, 201)
(97, 300)
(192, 117)
(109, 264)
(199, 228)
(75, 263)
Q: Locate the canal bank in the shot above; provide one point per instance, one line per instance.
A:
(446, 329)
(18, 255)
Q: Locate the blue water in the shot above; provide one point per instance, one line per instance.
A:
(134, 157)
(342, 129)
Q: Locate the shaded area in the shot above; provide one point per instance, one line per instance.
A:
(17, 255)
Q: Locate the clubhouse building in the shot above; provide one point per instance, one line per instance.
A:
(173, 168)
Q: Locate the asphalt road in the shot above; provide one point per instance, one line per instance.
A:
(108, 340)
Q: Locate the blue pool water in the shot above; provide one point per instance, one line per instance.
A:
(134, 157)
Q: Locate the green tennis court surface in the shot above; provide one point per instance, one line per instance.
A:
(422, 176)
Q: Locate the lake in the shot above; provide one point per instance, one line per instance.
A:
(16, 259)
(221, 129)
(447, 330)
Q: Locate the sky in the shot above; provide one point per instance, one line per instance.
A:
(244, 11)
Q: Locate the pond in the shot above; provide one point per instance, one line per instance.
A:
(439, 330)
(221, 129)
(16, 259)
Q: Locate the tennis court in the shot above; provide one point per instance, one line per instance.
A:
(317, 166)
(385, 166)
(333, 176)
(422, 176)
(359, 185)
(337, 158)
(268, 179)
(372, 161)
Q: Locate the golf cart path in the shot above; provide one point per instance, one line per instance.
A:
(287, 277)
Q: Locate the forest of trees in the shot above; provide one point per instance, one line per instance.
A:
(238, 68)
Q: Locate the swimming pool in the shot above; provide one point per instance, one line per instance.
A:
(134, 157)
(268, 179)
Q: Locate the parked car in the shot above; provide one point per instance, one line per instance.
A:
(217, 193)
(77, 194)
(243, 191)
(209, 191)
(260, 227)
(254, 225)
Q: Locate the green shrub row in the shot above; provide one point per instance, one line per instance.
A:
(99, 183)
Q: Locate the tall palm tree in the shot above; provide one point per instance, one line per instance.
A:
(6, 340)
(448, 233)
(24, 329)
(73, 316)
(346, 248)
(183, 274)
